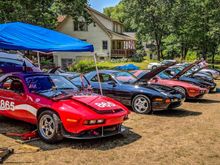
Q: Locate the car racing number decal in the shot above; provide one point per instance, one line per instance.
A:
(7, 105)
(105, 104)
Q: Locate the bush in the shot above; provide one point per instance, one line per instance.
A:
(137, 58)
(191, 56)
(85, 66)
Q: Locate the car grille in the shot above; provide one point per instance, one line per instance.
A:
(109, 111)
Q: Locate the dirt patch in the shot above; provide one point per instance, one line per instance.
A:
(187, 135)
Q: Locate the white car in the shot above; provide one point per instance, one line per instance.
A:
(154, 65)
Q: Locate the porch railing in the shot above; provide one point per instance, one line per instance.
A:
(122, 52)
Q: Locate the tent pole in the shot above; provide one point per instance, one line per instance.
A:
(38, 59)
(97, 72)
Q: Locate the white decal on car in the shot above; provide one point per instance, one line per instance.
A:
(7, 105)
(105, 104)
(10, 106)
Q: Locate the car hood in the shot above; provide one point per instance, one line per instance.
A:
(98, 103)
(178, 75)
(149, 75)
(154, 63)
(201, 83)
(95, 102)
(165, 90)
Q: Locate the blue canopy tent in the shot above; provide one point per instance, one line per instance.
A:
(22, 36)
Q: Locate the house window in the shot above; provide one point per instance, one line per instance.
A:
(66, 62)
(80, 26)
(104, 45)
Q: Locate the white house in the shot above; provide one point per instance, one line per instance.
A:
(105, 34)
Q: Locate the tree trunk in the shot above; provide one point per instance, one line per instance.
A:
(182, 52)
(185, 52)
(204, 53)
(161, 53)
(158, 45)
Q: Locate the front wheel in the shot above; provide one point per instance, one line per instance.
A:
(141, 104)
(49, 127)
(181, 90)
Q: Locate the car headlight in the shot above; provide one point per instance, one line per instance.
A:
(93, 122)
(192, 91)
(158, 99)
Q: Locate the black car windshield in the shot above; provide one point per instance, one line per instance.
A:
(42, 83)
(125, 77)
(192, 70)
(164, 75)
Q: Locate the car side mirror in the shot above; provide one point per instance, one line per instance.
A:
(113, 83)
(155, 79)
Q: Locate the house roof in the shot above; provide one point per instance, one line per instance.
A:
(121, 35)
(103, 15)
(62, 19)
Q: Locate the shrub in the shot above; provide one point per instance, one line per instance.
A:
(191, 56)
(85, 66)
(137, 58)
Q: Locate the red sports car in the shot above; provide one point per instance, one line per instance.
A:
(190, 90)
(58, 108)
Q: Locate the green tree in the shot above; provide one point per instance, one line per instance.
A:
(119, 13)
(40, 12)
(150, 18)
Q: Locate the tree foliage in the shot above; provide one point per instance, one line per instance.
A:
(119, 13)
(177, 27)
(40, 12)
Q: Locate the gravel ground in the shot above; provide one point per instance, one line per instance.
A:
(187, 135)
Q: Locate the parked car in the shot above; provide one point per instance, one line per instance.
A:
(15, 63)
(182, 74)
(189, 90)
(58, 109)
(59, 71)
(215, 74)
(154, 65)
(131, 91)
(194, 72)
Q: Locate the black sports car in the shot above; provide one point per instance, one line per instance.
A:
(183, 76)
(131, 91)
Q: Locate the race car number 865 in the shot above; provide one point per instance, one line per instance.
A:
(6, 105)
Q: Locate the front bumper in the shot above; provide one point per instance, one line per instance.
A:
(197, 95)
(97, 133)
(176, 102)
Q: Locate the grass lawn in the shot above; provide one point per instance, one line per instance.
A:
(142, 65)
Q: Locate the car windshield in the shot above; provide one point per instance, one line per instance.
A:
(192, 70)
(46, 83)
(164, 75)
(125, 77)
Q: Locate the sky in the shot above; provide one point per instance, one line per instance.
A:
(100, 4)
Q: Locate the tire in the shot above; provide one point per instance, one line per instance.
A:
(180, 89)
(141, 104)
(49, 127)
(154, 67)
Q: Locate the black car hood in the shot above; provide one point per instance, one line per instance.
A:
(201, 83)
(149, 75)
(165, 90)
(178, 75)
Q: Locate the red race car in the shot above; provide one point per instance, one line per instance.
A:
(191, 91)
(58, 108)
